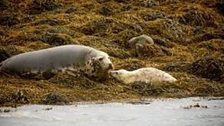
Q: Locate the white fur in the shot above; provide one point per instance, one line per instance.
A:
(147, 75)
(56, 58)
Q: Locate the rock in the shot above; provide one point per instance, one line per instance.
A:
(197, 105)
(54, 99)
(6, 110)
(48, 109)
(8, 20)
(208, 67)
(39, 6)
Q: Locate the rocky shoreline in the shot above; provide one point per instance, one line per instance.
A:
(188, 44)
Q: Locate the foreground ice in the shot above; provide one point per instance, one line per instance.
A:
(160, 112)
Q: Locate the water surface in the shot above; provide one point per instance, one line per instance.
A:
(157, 112)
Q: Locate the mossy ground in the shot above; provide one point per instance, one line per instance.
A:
(189, 30)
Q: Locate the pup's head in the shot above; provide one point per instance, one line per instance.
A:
(118, 74)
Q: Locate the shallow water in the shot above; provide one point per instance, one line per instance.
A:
(158, 112)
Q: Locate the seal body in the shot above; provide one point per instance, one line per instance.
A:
(56, 58)
(147, 75)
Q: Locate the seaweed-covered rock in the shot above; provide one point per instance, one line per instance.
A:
(8, 20)
(165, 2)
(3, 54)
(39, 6)
(162, 41)
(106, 10)
(146, 89)
(132, 65)
(71, 10)
(98, 26)
(206, 37)
(122, 1)
(3, 5)
(20, 97)
(126, 7)
(102, 1)
(105, 26)
(57, 39)
(77, 79)
(213, 45)
(177, 66)
(208, 67)
(51, 22)
(220, 8)
(147, 3)
(196, 17)
(147, 50)
(119, 53)
(54, 99)
(169, 29)
(123, 36)
(152, 16)
(8, 51)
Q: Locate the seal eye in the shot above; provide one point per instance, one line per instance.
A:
(116, 73)
(101, 58)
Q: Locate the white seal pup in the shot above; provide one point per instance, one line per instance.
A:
(57, 58)
(147, 75)
(140, 40)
